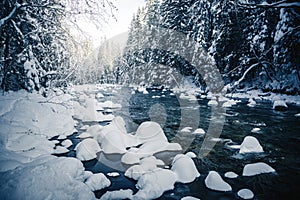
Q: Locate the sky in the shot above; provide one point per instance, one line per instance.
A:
(124, 14)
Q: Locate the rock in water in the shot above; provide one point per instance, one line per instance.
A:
(251, 145)
(215, 182)
(279, 105)
(257, 168)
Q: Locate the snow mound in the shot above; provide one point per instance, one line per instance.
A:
(84, 135)
(230, 175)
(113, 174)
(229, 103)
(109, 104)
(117, 195)
(215, 182)
(213, 103)
(87, 149)
(251, 145)
(97, 182)
(245, 194)
(257, 168)
(150, 131)
(279, 105)
(199, 131)
(187, 129)
(46, 177)
(67, 143)
(60, 150)
(153, 184)
(191, 154)
(184, 168)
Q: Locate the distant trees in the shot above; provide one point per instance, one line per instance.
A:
(255, 44)
(35, 41)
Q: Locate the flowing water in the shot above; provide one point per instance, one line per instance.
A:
(279, 135)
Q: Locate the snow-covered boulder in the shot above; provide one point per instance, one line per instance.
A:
(230, 175)
(251, 103)
(87, 149)
(213, 103)
(187, 129)
(150, 131)
(113, 174)
(251, 145)
(215, 182)
(257, 168)
(189, 198)
(97, 182)
(184, 168)
(60, 150)
(191, 154)
(245, 194)
(153, 184)
(199, 131)
(84, 135)
(117, 194)
(255, 130)
(279, 105)
(67, 143)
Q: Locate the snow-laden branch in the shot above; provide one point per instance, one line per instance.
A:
(10, 15)
(279, 4)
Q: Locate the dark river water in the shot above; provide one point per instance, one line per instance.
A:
(279, 136)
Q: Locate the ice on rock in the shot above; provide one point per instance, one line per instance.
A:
(184, 168)
(87, 149)
(153, 184)
(251, 145)
(189, 198)
(279, 105)
(231, 175)
(97, 182)
(199, 131)
(215, 182)
(257, 168)
(245, 194)
(117, 195)
(67, 143)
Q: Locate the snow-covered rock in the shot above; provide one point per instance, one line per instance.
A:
(199, 131)
(251, 103)
(46, 177)
(150, 131)
(87, 149)
(213, 103)
(251, 145)
(67, 143)
(117, 195)
(189, 198)
(184, 168)
(84, 135)
(257, 168)
(187, 129)
(215, 182)
(97, 182)
(113, 174)
(191, 154)
(279, 105)
(60, 150)
(245, 194)
(153, 184)
(230, 175)
(109, 104)
(255, 130)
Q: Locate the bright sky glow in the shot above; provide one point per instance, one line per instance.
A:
(124, 14)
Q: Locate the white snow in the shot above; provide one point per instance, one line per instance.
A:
(251, 103)
(199, 131)
(279, 105)
(84, 135)
(213, 103)
(187, 129)
(113, 174)
(251, 145)
(117, 195)
(67, 143)
(153, 184)
(191, 154)
(87, 149)
(189, 198)
(255, 130)
(60, 150)
(230, 175)
(257, 168)
(97, 182)
(184, 168)
(245, 194)
(297, 115)
(215, 182)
